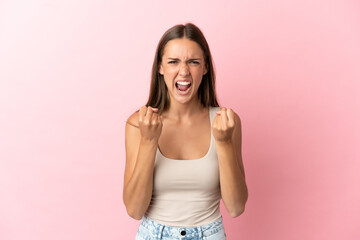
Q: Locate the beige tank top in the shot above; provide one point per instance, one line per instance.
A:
(186, 193)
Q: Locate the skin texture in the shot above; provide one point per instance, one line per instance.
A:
(189, 121)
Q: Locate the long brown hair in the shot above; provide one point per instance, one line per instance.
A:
(158, 96)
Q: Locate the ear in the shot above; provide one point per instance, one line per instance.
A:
(161, 70)
(205, 69)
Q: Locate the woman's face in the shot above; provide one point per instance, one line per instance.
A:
(183, 66)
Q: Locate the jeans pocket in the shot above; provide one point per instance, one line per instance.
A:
(144, 234)
(220, 235)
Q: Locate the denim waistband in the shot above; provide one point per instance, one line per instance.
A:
(160, 230)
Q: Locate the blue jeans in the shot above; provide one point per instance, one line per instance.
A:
(151, 230)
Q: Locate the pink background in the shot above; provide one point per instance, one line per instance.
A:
(71, 72)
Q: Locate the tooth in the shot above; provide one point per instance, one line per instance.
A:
(183, 83)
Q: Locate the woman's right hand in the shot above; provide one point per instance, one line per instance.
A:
(150, 123)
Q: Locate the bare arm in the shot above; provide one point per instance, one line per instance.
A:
(140, 144)
(234, 191)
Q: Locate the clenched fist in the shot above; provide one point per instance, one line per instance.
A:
(223, 125)
(150, 123)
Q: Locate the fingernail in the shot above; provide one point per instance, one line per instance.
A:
(218, 113)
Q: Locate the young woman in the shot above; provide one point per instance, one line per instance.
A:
(183, 153)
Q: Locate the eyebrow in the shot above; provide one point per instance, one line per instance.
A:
(188, 60)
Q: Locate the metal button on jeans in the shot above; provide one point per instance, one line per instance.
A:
(183, 233)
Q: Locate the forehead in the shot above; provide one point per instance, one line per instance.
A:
(182, 48)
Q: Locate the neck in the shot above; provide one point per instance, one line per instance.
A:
(184, 111)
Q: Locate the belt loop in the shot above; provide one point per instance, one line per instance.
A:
(161, 229)
(200, 231)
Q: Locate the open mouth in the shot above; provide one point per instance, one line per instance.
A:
(183, 86)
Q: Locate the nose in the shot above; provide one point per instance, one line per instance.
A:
(184, 70)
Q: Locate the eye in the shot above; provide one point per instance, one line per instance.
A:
(194, 62)
(172, 62)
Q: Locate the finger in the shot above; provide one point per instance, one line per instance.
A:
(217, 122)
(149, 114)
(219, 112)
(154, 119)
(142, 113)
(224, 118)
(231, 116)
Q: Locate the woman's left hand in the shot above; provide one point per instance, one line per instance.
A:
(223, 125)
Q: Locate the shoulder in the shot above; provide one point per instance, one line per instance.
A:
(133, 120)
(237, 119)
(237, 130)
(132, 133)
